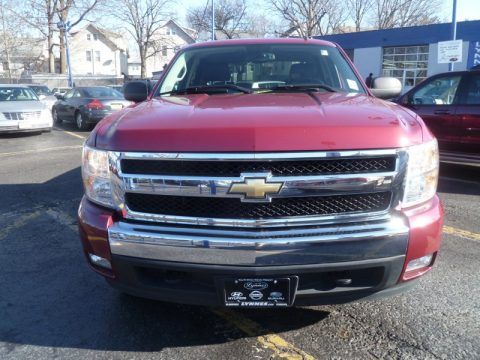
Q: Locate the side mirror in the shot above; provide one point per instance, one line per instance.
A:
(386, 87)
(60, 97)
(136, 91)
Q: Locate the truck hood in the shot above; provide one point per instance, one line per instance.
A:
(259, 122)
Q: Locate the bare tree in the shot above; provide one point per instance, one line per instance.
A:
(311, 17)
(231, 18)
(18, 50)
(74, 11)
(399, 13)
(40, 16)
(143, 20)
(357, 10)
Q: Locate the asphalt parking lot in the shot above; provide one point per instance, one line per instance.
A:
(53, 306)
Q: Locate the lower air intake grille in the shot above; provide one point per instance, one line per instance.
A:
(210, 207)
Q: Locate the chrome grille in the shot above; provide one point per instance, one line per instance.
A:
(317, 187)
(27, 116)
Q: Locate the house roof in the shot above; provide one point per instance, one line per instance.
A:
(190, 33)
(111, 38)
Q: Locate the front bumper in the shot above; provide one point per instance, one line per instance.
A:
(185, 265)
(11, 126)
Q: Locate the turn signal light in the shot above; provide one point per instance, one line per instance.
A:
(419, 263)
(99, 261)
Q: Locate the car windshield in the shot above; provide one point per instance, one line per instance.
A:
(41, 90)
(102, 92)
(260, 68)
(17, 94)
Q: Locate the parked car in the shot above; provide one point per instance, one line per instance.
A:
(21, 110)
(60, 90)
(119, 88)
(310, 192)
(449, 103)
(86, 106)
(44, 94)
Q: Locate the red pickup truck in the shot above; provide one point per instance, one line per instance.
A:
(261, 173)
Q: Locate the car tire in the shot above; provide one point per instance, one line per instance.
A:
(56, 119)
(80, 121)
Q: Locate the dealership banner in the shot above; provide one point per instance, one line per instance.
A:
(473, 54)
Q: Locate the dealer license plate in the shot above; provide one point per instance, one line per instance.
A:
(257, 292)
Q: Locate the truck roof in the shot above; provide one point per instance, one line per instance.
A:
(261, 41)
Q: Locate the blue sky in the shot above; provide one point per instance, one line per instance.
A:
(466, 9)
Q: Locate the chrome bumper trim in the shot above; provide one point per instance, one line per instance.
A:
(293, 186)
(260, 248)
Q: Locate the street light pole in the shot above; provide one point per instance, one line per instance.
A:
(213, 19)
(65, 26)
(454, 28)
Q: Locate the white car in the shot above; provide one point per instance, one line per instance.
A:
(21, 110)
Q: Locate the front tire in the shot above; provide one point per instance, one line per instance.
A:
(56, 119)
(80, 121)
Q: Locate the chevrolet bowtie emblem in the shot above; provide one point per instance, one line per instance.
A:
(255, 189)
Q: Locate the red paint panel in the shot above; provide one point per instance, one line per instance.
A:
(260, 122)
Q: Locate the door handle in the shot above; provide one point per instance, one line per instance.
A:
(473, 129)
(442, 112)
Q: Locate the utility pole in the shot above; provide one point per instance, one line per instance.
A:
(213, 19)
(454, 28)
(65, 26)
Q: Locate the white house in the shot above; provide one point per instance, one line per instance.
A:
(169, 39)
(96, 51)
(134, 68)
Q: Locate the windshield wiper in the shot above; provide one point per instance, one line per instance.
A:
(206, 89)
(303, 87)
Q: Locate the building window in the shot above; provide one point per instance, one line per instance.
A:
(89, 37)
(97, 55)
(164, 50)
(406, 63)
(171, 31)
(95, 37)
(89, 55)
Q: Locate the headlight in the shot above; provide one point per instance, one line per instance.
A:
(422, 173)
(96, 176)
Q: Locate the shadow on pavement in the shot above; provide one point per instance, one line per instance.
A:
(459, 179)
(50, 298)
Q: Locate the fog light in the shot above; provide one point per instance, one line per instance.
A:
(99, 261)
(419, 263)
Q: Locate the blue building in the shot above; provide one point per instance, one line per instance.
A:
(409, 54)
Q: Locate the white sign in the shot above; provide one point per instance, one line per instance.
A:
(450, 51)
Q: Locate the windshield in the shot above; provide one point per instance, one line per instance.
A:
(41, 90)
(102, 93)
(17, 94)
(261, 67)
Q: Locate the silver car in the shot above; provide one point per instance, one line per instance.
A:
(21, 110)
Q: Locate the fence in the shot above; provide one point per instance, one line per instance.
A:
(57, 80)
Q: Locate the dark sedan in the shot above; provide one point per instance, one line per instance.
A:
(86, 106)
